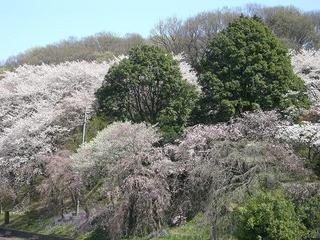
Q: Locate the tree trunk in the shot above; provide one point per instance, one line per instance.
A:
(77, 206)
(32, 189)
(87, 211)
(213, 232)
(62, 209)
(6, 217)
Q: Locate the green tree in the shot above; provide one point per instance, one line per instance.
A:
(244, 68)
(147, 86)
(268, 216)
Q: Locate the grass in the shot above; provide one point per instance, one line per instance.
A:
(196, 229)
(39, 221)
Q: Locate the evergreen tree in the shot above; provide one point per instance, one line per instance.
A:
(244, 68)
(148, 86)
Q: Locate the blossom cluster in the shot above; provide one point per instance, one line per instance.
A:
(306, 64)
(40, 105)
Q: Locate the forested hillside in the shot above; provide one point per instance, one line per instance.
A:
(209, 129)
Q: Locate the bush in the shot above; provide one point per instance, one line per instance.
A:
(310, 215)
(245, 68)
(269, 215)
(147, 86)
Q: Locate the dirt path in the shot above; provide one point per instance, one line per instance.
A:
(11, 238)
(12, 234)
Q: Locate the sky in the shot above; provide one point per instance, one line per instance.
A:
(30, 23)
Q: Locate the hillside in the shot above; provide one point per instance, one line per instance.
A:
(219, 140)
(42, 105)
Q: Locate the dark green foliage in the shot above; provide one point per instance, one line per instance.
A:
(268, 216)
(245, 68)
(98, 234)
(310, 214)
(147, 86)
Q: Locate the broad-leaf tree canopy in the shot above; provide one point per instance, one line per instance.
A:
(147, 86)
(245, 67)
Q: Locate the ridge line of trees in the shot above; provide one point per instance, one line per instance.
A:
(296, 28)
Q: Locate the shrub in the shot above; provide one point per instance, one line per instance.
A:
(268, 215)
(310, 215)
(245, 68)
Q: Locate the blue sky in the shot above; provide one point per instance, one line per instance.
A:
(30, 23)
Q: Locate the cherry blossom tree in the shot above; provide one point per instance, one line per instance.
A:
(40, 106)
(137, 194)
(306, 133)
(60, 182)
(113, 145)
(8, 197)
(187, 71)
(306, 65)
(218, 164)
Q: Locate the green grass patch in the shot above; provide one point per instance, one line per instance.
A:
(64, 229)
(38, 221)
(196, 229)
